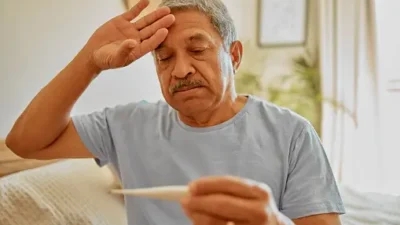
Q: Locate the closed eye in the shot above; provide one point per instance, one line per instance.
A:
(198, 50)
(162, 59)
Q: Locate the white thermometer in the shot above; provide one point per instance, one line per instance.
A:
(171, 193)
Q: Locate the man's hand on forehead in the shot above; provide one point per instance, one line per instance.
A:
(121, 41)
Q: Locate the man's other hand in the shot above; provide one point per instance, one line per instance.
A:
(229, 200)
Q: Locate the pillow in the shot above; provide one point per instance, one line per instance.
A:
(11, 163)
(70, 192)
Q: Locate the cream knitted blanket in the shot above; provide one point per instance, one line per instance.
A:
(71, 192)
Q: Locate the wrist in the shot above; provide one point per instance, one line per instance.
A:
(85, 64)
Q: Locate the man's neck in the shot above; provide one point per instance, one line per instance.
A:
(227, 109)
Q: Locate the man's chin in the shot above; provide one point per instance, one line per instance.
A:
(191, 105)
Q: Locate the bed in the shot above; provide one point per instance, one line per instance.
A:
(76, 191)
(369, 208)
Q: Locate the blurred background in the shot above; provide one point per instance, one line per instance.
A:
(332, 61)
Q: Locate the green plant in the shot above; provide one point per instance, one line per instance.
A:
(299, 91)
(249, 83)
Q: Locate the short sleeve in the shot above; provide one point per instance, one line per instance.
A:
(311, 187)
(94, 131)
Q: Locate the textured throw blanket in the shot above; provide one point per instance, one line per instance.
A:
(71, 192)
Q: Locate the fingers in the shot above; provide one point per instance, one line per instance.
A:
(135, 10)
(202, 219)
(130, 50)
(226, 207)
(153, 42)
(164, 22)
(262, 193)
(151, 18)
(224, 185)
(199, 218)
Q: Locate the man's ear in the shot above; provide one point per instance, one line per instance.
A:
(236, 52)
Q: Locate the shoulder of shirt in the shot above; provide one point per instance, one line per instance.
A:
(142, 109)
(279, 117)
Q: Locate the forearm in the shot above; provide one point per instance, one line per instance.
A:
(48, 113)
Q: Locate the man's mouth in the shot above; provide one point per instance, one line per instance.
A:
(185, 85)
(187, 88)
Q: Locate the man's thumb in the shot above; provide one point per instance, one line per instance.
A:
(126, 47)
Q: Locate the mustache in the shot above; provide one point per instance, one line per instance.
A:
(185, 84)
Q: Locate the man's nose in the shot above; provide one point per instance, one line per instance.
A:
(183, 67)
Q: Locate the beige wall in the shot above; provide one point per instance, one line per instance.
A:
(41, 37)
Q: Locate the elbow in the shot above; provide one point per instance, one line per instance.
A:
(15, 144)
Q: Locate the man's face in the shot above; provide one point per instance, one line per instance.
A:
(193, 68)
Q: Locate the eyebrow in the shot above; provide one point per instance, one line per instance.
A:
(196, 37)
(199, 37)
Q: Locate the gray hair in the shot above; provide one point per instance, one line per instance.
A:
(216, 10)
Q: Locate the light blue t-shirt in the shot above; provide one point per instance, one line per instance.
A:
(149, 146)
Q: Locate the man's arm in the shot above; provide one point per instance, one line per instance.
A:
(322, 219)
(45, 130)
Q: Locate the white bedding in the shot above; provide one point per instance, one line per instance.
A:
(370, 208)
(70, 192)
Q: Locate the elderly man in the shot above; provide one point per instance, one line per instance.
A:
(246, 161)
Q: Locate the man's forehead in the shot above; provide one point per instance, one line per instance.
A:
(189, 37)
